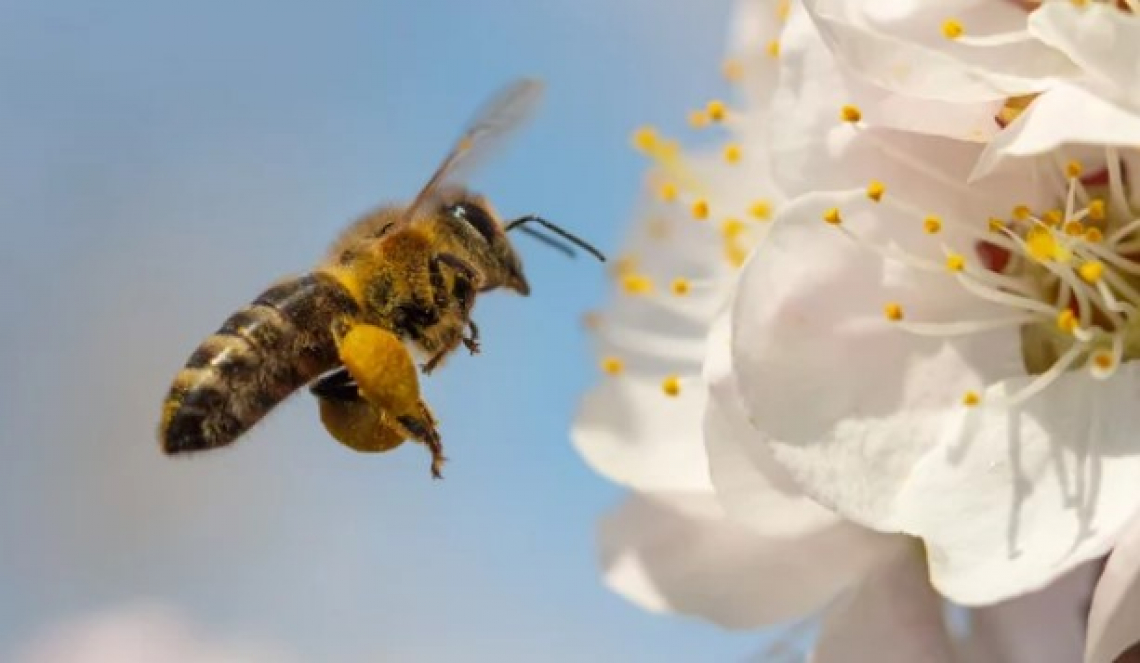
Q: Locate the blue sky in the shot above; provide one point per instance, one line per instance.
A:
(161, 164)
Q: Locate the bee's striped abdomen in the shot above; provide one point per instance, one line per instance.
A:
(260, 355)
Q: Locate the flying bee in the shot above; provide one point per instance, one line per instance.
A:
(401, 276)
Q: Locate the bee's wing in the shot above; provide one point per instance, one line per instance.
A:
(492, 125)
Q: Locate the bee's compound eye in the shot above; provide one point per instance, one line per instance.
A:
(477, 217)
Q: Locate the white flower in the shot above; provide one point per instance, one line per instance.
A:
(1114, 618)
(943, 358)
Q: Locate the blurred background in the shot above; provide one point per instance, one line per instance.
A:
(160, 164)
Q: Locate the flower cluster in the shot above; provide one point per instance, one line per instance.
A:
(875, 353)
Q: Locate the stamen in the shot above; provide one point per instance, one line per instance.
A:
(732, 153)
(761, 209)
(955, 262)
(1043, 380)
(612, 365)
(636, 284)
(1067, 321)
(700, 209)
(875, 190)
(716, 110)
(1091, 271)
(850, 113)
(732, 70)
(959, 327)
(671, 386)
(932, 224)
(773, 48)
(645, 139)
(971, 398)
(832, 216)
(893, 311)
(699, 119)
(680, 287)
(668, 192)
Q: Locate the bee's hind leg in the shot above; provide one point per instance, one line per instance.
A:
(423, 429)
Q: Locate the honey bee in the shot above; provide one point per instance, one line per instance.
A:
(400, 276)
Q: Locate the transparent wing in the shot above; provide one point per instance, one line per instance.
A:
(496, 121)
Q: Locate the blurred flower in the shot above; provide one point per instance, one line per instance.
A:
(142, 633)
(933, 337)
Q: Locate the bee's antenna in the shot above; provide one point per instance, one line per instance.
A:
(520, 224)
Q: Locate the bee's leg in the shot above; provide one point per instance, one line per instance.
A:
(461, 296)
(472, 341)
(423, 429)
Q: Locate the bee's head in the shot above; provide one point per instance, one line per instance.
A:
(501, 263)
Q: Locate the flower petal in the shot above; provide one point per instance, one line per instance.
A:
(1114, 619)
(891, 616)
(1005, 501)
(634, 434)
(1047, 626)
(905, 52)
(678, 552)
(1101, 39)
(1066, 115)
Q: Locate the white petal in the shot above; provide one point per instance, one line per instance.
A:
(1114, 619)
(892, 616)
(1047, 626)
(923, 64)
(679, 553)
(1066, 115)
(632, 433)
(869, 420)
(1103, 40)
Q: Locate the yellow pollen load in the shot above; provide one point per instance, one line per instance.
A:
(732, 153)
(773, 48)
(1094, 235)
(700, 209)
(645, 139)
(636, 284)
(731, 228)
(955, 262)
(671, 385)
(932, 224)
(832, 216)
(716, 110)
(1067, 321)
(850, 113)
(971, 398)
(996, 225)
(1073, 169)
(668, 192)
(612, 365)
(1097, 210)
(893, 311)
(875, 190)
(952, 28)
(732, 70)
(760, 209)
(680, 287)
(1052, 218)
(1022, 212)
(699, 119)
(1091, 271)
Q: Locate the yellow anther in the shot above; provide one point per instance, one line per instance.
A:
(773, 48)
(1067, 321)
(1079, 3)
(671, 385)
(1103, 360)
(735, 253)
(1073, 228)
(636, 284)
(732, 70)
(832, 216)
(612, 365)
(760, 209)
(679, 286)
(1091, 271)
(645, 138)
(716, 110)
(971, 398)
(850, 113)
(699, 119)
(955, 262)
(668, 192)
(996, 225)
(932, 224)
(732, 153)
(700, 208)
(893, 311)
(952, 28)
(1042, 246)
(1094, 235)
(1022, 212)
(875, 190)
(731, 228)
(1097, 210)
(1052, 218)
(1073, 169)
